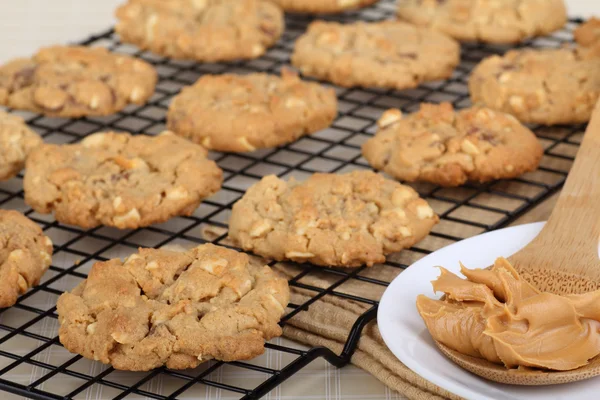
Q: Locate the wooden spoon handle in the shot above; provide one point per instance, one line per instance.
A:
(570, 238)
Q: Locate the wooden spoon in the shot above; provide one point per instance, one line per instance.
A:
(562, 259)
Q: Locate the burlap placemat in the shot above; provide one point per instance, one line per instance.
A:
(328, 322)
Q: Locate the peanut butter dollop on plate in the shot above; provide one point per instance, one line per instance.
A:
(497, 316)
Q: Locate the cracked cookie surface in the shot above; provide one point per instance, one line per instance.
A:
(177, 309)
(75, 81)
(120, 180)
(240, 113)
(343, 220)
(322, 6)
(16, 142)
(25, 255)
(490, 21)
(549, 87)
(204, 30)
(448, 148)
(387, 54)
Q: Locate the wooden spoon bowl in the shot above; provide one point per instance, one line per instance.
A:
(562, 259)
(529, 377)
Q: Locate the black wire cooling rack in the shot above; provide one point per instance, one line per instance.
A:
(34, 364)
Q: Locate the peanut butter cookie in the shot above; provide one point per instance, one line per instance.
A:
(176, 309)
(490, 21)
(550, 86)
(588, 34)
(241, 113)
(25, 255)
(16, 142)
(330, 220)
(448, 148)
(322, 6)
(203, 30)
(386, 54)
(119, 180)
(74, 81)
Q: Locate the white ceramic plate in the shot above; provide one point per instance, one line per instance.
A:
(405, 334)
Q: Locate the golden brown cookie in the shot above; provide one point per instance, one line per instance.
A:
(203, 30)
(176, 309)
(241, 113)
(25, 255)
(490, 21)
(385, 54)
(16, 142)
(120, 180)
(331, 220)
(588, 34)
(549, 86)
(322, 6)
(76, 81)
(448, 148)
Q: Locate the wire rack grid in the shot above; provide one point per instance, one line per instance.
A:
(34, 364)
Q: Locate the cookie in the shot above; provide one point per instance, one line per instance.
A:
(16, 142)
(322, 6)
(549, 86)
(588, 34)
(331, 220)
(120, 180)
(76, 81)
(448, 148)
(240, 113)
(176, 309)
(25, 255)
(203, 30)
(386, 54)
(490, 21)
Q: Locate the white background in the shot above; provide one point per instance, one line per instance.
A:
(26, 25)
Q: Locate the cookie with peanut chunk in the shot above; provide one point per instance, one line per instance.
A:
(76, 81)
(543, 86)
(203, 30)
(448, 148)
(322, 6)
(16, 142)
(177, 309)
(240, 113)
(25, 255)
(588, 33)
(345, 220)
(490, 21)
(120, 180)
(386, 54)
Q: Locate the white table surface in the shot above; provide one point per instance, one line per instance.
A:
(26, 25)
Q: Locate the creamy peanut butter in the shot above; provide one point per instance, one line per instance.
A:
(497, 316)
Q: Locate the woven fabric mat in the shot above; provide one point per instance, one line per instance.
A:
(328, 323)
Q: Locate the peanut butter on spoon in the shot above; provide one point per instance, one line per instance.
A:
(544, 312)
(497, 316)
